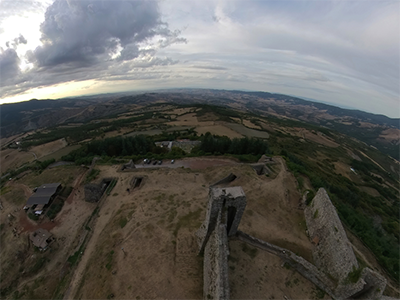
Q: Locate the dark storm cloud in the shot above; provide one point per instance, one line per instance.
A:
(9, 65)
(85, 33)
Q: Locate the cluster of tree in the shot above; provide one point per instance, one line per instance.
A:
(112, 147)
(190, 134)
(224, 145)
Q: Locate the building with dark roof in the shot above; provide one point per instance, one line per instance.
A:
(44, 194)
(41, 238)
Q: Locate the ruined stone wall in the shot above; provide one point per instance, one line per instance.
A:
(332, 250)
(302, 266)
(228, 179)
(219, 198)
(93, 192)
(215, 268)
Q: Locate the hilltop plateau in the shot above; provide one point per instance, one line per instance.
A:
(137, 239)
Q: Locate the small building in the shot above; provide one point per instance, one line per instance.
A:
(42, 197)
(41, 238)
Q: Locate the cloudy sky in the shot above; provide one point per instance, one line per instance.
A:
(341, 52)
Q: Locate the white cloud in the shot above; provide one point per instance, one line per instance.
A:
(345, 52)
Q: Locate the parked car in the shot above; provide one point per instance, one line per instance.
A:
(160, 162)
(172, 161)
(155, 162)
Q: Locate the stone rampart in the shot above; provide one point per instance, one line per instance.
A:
(224, 211)
(302, 266)
(332, 251)
(233, 200)
(215, 268)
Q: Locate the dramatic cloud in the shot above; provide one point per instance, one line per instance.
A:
(83, 40)
(84, 33)
(343, 52)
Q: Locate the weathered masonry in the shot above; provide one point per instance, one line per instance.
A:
(334, 255)
(224, 212)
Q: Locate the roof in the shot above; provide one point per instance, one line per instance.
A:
(39, 237)
(43, 194)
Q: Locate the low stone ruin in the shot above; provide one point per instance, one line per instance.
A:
(136, 182)
(228, 179)
(128, 166)
(261, 169)
(93, 191)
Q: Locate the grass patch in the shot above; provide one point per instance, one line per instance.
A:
(319, 294)
(66, 191)
(310, 197)
(92, 175)
(250, 251)
(33, 216)
(109, 260)
(54, 209)
(5, 190)
(190, 220)
(354, 275)
(37, 266)
(14, 195)
(122, 222)
(111, 186)
(73, 259)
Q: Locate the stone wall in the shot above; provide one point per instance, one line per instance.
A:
(93, 191)
(215, 268)
(224, 211)
(332, 250)
(231, 199)
(302, 266)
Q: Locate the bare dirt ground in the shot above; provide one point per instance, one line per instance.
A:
(239, 128)
(27, 268)
(391, 135)
(218, 130)
(49, 148)
(12, 158)
(143, 243)
(250, 124)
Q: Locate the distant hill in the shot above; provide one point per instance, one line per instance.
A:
(378, 131)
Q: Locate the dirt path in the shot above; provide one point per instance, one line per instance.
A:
(98, 227)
